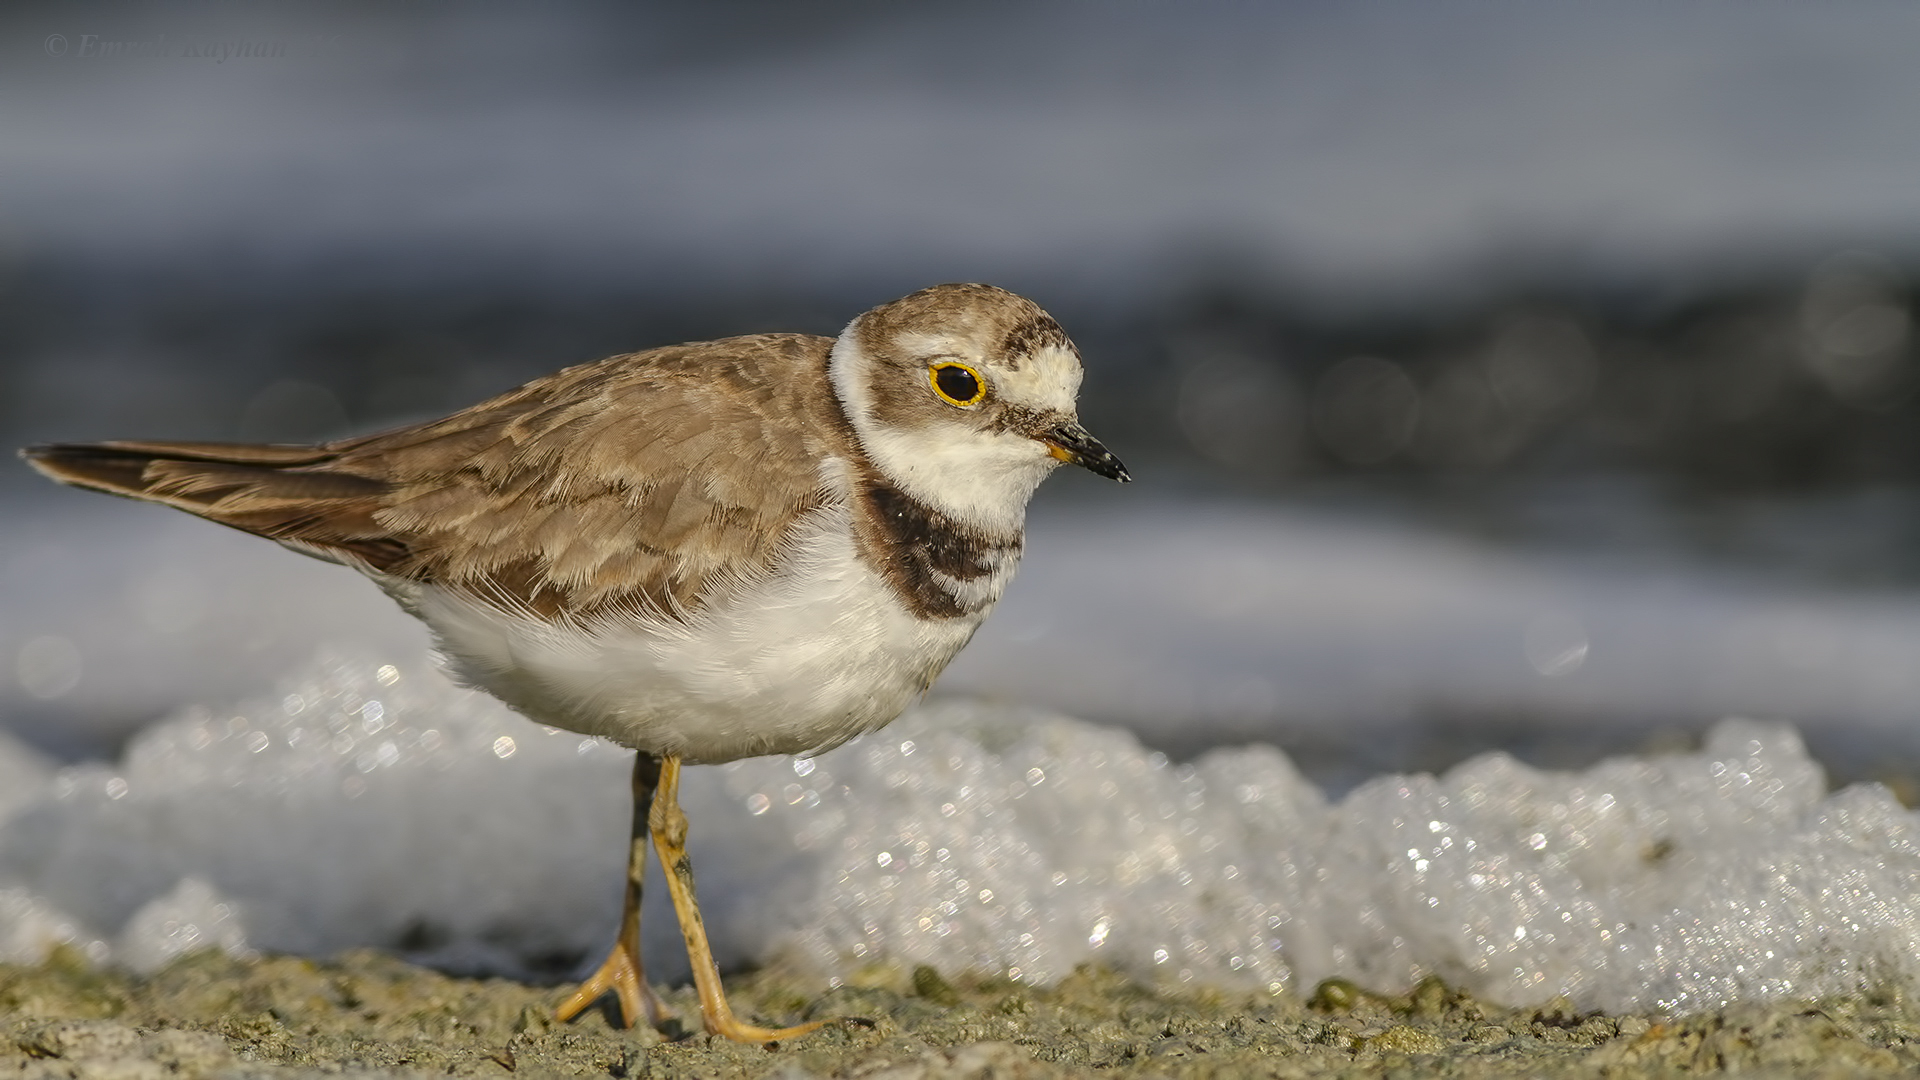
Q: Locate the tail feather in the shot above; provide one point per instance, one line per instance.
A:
(285, 493)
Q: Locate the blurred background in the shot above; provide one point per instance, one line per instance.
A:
(1496, 375)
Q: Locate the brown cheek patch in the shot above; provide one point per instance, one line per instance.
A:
(900, 390)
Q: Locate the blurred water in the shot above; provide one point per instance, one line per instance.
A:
(1360, 644)
(869, 141)
(1496, 374)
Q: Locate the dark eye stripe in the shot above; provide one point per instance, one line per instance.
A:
(958, 384)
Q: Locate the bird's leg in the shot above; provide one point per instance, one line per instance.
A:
(622, 972)
(670, 840)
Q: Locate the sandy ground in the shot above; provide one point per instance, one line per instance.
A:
(367, 1014)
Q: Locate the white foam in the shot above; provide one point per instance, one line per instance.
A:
(977, 837)
(23, 775)
(374, 804)
(191, 917)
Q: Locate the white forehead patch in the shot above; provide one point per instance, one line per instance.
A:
(1050, 379)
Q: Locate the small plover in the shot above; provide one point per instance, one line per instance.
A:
(761, 545)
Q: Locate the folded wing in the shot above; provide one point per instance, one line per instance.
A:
(644, 482)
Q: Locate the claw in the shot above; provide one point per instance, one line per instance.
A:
(619, 973)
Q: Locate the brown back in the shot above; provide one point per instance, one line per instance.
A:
(646, 482)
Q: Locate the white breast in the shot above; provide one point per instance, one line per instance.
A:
(805, 658)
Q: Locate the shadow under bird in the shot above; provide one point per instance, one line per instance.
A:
(761, 545)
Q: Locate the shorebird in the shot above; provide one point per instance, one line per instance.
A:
(761, 545)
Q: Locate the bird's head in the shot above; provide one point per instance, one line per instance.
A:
(963, 396)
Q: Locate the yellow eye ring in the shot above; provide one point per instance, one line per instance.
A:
(957, 384)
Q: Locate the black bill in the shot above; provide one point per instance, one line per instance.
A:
(1071, 444)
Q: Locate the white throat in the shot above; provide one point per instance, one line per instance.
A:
(981, 478)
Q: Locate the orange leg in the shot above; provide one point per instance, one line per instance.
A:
(670, 840)
(622, 972)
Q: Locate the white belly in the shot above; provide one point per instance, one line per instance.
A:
(808, 657)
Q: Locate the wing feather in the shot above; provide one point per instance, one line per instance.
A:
(639, 483)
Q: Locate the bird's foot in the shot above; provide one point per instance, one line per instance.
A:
(621, 975)
(729, 1027)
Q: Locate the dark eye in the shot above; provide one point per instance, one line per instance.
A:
(958, 384)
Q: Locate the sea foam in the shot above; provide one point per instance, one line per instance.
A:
(372, 803)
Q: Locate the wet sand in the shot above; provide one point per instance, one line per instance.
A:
(367, 1013)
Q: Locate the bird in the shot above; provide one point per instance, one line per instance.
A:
(765, 544)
